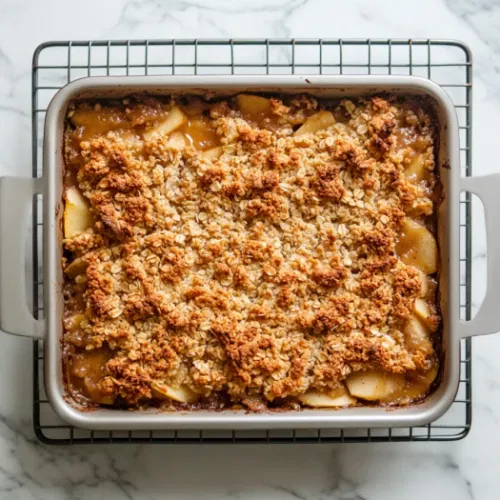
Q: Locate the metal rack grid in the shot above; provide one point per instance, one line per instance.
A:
(448, 63)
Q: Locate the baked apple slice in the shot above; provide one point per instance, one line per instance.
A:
(417, 336)
(177, 140)
(416, 171)
(212, 154)
(417, 246)
(318, 121)
(77, 216)
(373, 385)
(335, 399)
(181, 394)
(253, 107)
(75, 268)
(174, 119)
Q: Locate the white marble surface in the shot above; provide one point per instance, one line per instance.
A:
(455, 471)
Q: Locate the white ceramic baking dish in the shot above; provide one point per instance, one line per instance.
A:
(16, 195)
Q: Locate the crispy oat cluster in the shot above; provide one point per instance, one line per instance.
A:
(258, 274)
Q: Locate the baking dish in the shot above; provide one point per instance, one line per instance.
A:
(16, 194)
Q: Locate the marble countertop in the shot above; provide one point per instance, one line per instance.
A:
(457, 471)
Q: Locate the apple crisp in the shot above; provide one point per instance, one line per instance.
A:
(250, 252)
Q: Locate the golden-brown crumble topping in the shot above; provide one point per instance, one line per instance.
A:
(261, 272)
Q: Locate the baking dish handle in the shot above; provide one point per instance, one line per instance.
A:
(16, 195)
(487, 319)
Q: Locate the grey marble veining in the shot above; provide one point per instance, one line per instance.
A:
(455, 471)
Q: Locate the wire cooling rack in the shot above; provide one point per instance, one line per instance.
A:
(448, 63)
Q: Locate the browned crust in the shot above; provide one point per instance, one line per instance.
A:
(288, 281)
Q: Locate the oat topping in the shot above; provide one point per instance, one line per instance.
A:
(238, 257)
